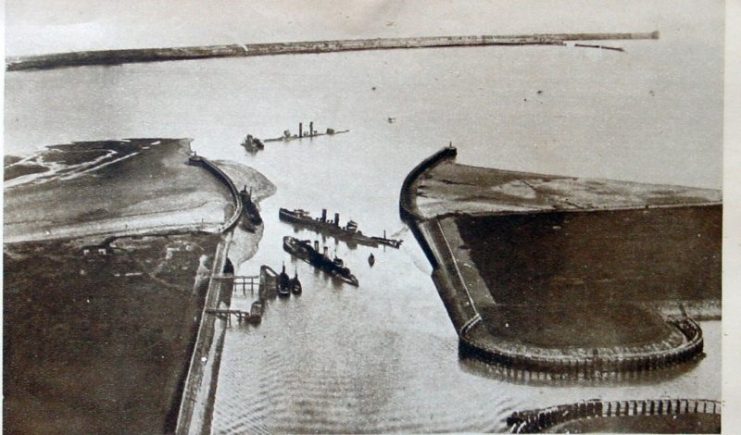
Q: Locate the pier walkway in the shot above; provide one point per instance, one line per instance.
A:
(198, 392)
(241, 282)
(214, 169)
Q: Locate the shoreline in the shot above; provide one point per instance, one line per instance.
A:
(199, 389)
(102, 244)
(142, 55)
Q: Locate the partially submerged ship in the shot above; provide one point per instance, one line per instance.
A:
(305, 251)
(256, 312)
(349, 232)
(288, 136)
(252, 144)
(251, 215)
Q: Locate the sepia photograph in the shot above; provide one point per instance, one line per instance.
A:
(249, 217)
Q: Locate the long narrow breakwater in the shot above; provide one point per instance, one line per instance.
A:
(115, 57)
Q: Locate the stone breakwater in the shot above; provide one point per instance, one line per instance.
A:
(578, 362)
(238, 204)
(543, 420)
(469, 303)
(407, 205)
(196, 406)
(115, 57)
(199, 386)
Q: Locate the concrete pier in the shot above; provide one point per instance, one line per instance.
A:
(478, 226)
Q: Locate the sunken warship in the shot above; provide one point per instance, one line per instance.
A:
(349, 232)
(251, 214)
(305, 251)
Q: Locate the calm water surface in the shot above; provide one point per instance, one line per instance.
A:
(383, 356)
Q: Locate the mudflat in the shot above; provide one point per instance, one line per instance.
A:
(110, 187)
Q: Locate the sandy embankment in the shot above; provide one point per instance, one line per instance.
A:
(243, 244)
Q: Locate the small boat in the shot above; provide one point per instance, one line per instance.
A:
(295, 285)
(256, 312)
(284, 283)
(284, 292)
(371, 260)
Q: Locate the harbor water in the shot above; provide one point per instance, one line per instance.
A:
(384, 356)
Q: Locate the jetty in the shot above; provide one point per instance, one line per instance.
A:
(242, 316)
(521, 259)
(196, 160)
(118, 57)
(199, 389)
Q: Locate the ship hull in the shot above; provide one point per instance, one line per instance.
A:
(302, 250)
(329, 228)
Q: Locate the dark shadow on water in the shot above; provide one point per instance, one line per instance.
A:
(479, 367)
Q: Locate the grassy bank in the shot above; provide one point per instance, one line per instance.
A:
(98, 341)
(600, 257)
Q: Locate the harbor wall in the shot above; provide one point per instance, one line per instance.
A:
(476, 342)
(117, 57)
(474, 339)
(200, 385)
(190, 415)
(214, 169)
(407, 208)
(541, 420)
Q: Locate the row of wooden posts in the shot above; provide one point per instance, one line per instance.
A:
(502, 355)
(540, 420)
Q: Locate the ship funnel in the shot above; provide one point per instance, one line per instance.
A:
(316, 245)
(325, 251)
(337, 219)
(300, 129)
(324, 215)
